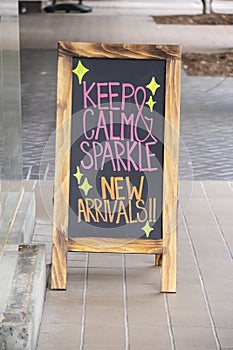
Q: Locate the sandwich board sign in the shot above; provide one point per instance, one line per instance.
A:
(117, 138)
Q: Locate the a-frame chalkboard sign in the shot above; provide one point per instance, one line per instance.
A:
(117, 139)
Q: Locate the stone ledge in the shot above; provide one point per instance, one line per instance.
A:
(24, 223)
(22, 316)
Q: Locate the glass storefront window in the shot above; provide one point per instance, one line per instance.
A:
(10, 118)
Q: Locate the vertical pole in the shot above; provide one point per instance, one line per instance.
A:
(207, 6)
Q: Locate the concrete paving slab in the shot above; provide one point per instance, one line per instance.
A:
(105, 316)
(194, 338)
(190, 318)
(104, 336)
(146, 313)
(225, 336)
(149, 337)
(57, 335)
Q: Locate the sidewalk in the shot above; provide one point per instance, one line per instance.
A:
(157, 7)
(113, 28)
(114, 301)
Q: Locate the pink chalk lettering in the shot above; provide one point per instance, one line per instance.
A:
(111, 127)
(97, 154)
(85, 124)
(150, 155)
(140, 156)
(125, 96)
(148, 124)
(130, 160)
(86, 94)
(119, 151)
(83, 164)
(141, 117)
(127, 121)
(113, 95)
(108, 154)
(101, 126)
(101, 95)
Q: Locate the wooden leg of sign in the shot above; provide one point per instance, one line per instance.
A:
(170, 174)
(169, 264)
(59, 258)
(62, 173)
(158, 259)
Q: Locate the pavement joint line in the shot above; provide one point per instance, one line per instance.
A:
(84, 303)
(217, 223)
(203, 288)
(11, 224)
(230, 185)
(46, 172)
(34, 185)
(29, 172)
(127, 343)
(216, 85)
(169, 323)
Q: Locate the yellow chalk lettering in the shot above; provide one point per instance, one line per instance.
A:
(98, 206)
(117, 187)
(82, 210)
(143, 210)
(122, 212)
(110, 187)
(133, 191)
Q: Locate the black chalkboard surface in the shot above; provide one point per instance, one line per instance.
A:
(117, 143)
(116, 171)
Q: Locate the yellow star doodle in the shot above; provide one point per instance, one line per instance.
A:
(80, 71)
(151, 103)
(147, 229)
(85, 186)
(153, 86)
(78, 175)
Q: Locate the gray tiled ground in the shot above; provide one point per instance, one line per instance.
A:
(38, 79)
(114, 301)
(206, 125)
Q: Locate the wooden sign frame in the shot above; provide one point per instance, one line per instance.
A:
(165, 248)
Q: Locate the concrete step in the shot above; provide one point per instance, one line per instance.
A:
(22, 277)
(7, 270)
(22, 316)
